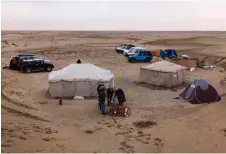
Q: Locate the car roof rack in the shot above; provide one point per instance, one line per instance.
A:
(23, 54)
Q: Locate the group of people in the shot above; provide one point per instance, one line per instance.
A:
(113, 96)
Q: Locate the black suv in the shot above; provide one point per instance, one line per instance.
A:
(36, 64)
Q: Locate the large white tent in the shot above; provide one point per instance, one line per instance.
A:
(78, 80)
(162, 73)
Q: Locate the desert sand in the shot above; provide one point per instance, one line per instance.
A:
(33, 122)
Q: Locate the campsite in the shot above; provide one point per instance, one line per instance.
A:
(33, 121)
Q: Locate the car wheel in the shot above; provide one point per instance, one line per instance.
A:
(132, 60)
(28, 70)
(49, 69)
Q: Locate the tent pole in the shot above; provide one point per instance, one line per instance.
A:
(113, 81)
(61, 89)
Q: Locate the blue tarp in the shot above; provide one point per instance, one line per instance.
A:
(162, 54)
(170, 53)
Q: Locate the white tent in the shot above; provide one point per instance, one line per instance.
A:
(78, 80)
(162, 73)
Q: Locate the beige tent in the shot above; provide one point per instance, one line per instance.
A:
(162, 73)
(78, 80)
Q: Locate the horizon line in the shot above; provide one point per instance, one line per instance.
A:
(127, 30)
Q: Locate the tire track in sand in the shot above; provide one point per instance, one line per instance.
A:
(16, 103)
(28, 115)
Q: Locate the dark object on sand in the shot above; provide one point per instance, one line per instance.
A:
(6, 67)
(144, 124)
(89, 131)
(60, 101)
(176, 98)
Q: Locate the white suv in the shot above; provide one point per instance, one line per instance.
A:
(133, 51)
(126, 48)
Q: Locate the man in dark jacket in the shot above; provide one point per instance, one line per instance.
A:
(110, 92)
(119, 93)
(98, 87)
(98, 92)
(102, 96)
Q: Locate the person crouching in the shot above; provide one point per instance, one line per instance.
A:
(119, 93)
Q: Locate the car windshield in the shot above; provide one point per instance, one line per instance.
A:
(129, 47)
(132, 50)
(36, 57)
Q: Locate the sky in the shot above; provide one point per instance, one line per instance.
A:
(114, 15)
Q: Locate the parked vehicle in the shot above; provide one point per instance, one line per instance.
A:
(134, 50)
(126, 48)
(36, 64)
(119, 49)
(25, 58)
(142, 55)
(14, 62)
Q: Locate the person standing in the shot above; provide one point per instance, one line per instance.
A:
(98, 87)
(98, 92)
(102, 97)
(110, 92)
(114, 97)
(79, 61)
(13, 63)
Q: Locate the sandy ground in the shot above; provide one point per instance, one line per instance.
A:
(33, 122)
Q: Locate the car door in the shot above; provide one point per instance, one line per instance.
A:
(139, 56)
(31, 64)
(37, 64)
(144, 55)
(41, 64)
